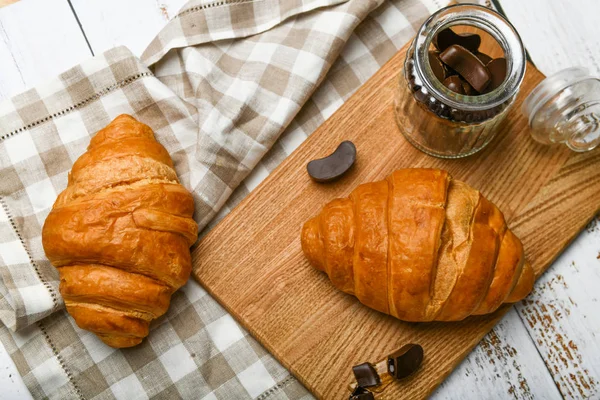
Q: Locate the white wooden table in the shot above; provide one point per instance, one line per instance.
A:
(546, 347)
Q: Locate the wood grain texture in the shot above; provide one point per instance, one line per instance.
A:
(561, 321)
(561, 316)
(556, 34)
(252, 262)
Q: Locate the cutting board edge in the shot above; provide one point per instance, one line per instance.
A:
(279, 171)
(498, 315)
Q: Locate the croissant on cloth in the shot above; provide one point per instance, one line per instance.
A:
(120, 233)
(419, 246)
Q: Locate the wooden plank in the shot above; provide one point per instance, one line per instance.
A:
(254, 266)
(504, 365)
(10, 381)
(38, 40)
(481, 375)
(558, 34)
(126, 37)
(561, 313)
(133, 23)
(543, 26)
(562, 316)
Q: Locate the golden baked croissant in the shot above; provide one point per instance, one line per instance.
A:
(419, 246)
(120, 233)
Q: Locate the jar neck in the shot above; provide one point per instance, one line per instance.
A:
(491, 22)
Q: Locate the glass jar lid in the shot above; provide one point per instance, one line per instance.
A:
(565, 108)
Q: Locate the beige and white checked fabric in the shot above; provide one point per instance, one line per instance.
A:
(230, 88)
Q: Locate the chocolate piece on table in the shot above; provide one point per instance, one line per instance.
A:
(497, 69)
(333, 166)
(366, 375)
(448, 37)
(361, 393)
(483, 57)
(454, 83)
(405, 361)
(437, 66)
(467, 65)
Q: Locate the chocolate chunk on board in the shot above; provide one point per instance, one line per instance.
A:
(497, 69)
(366, 375)
(437, 66)
(405, 361)
(333, 166)
(485, 59)
(467, 65)
(447, 37)
(361, 393)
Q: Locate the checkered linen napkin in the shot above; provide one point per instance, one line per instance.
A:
(228, 79)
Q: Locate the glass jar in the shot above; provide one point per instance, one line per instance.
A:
(443, 123)
(565, 108)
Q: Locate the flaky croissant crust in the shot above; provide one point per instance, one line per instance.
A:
(120, 233)
(419, 246)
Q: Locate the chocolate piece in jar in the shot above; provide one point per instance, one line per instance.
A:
(333, 166)
(448, 37)
(366, 375)
(468, 89)
(497, 69)
(467, 65)
(437, 66)
(455, 84)
(485, 59)
(448, 125)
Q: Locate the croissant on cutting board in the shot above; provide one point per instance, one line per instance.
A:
(120, 233)
(419, 246)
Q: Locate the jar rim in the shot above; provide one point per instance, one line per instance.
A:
(491, 22)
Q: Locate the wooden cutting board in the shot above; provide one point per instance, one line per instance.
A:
(253, 265)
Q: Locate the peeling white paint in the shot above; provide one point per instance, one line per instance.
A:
(546, 347)
(561, 315)
(505, 365)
